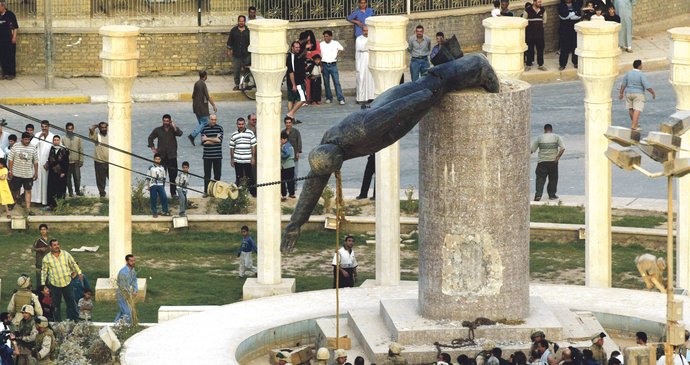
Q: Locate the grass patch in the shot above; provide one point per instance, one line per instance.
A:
(557, 214)
(651, 221)
(195, 268)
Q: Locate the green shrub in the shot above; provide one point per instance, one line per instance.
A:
(353, 210)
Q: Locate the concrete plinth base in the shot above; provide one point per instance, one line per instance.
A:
(253, 290)
(403, 319)
(105, 290)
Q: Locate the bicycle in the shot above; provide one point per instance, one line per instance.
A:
(248, 84)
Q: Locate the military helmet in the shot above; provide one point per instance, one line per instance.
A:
(340, 353)
(323, 354)
(42, 322)
(395, 348)
(536, 334)
(28, 308)
(24, 282)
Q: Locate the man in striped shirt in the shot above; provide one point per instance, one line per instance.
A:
(211, 140)
(58, 269)
(243, 154)
(23, 168)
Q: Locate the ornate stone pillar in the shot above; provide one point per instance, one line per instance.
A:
(119, 57)
(387, 46)
(597, 47)
(268, 48)
(680, 79)
(504, 44)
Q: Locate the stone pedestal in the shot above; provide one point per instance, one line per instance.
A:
(268, 49)
(504, 44)
(597, 47)
(680, 79)
(474, 205)
(387, 46)
(119, 57)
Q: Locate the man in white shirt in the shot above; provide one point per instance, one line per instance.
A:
(365, 81)
(348, 265)
(330, 50)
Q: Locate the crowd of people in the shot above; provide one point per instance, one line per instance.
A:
(32, 308)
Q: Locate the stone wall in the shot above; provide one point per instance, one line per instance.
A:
(179, 50)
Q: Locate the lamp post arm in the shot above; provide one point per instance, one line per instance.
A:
(647, 173)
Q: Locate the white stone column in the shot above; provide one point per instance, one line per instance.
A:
(597, 47)
(679, 58)
(387, 46)
(119, 57)
(268, 48)
(504, 44)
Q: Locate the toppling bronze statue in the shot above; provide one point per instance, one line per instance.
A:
(391, 116)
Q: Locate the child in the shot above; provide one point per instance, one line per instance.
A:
(85, 306)
(182, 182)
(287, 167)
(245, 253)
(611, 16)
(5, 193)
(497, 8)
(597, 14)
(155, 183)
(315, 80)
(46, 301)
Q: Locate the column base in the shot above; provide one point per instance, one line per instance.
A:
(105, 290)
(253, 290)
(372, 283)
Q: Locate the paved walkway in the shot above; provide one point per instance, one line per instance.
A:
(653, 50)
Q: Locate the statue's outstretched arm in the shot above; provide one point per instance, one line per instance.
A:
(323, 160)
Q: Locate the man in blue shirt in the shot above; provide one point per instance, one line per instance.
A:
(359, 17)
(633, 86)
(127, 289)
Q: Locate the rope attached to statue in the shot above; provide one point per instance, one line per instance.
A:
(339, 221)
(218, 189)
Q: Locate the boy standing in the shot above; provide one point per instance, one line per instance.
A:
(287, 167)
(315, 80)
(182, 183)
(245, 253)
(155, 183)
(85, 306)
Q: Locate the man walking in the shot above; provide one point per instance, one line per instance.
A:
(200, 100)
(127, 289)
(633, 87)
(238, 48)
(76, 160)
(419, 46)
(58, 268)
(348, 265)
(330, 50)
(211, 140)
(8, 42)
(23, 168)
(243, 154)
(296, 74)
(100, 154)
(167, 148)
(551, 149)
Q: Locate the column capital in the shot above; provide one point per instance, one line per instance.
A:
(263, 36)
(597, 39)
(504, 44)
(387, 46)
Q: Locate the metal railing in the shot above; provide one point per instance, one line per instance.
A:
(293, 10)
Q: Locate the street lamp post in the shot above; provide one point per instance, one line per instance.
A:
(662, 147)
